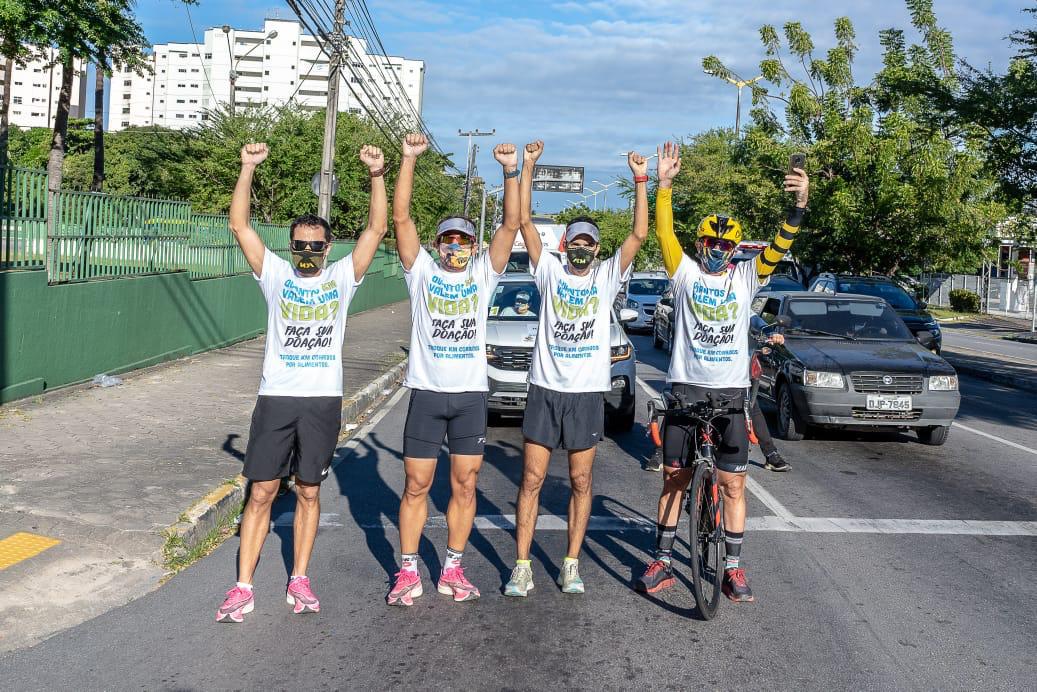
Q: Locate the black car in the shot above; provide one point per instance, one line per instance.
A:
(849, 361)
(922, 324)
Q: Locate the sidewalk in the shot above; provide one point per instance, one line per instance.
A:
(993, 348)
(106, 471)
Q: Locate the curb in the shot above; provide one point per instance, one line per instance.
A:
(1026, 383)
(224, 503)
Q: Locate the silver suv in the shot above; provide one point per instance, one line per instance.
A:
(511, 331)
(641, 293)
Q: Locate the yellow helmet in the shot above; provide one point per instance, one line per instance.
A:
(723, 227)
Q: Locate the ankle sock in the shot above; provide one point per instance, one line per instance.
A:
(733, 543)
(453, 558)
(243, 585)
(409, 562)
(664, 538)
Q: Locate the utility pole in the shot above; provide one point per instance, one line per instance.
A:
(327, 162)
(471, 160)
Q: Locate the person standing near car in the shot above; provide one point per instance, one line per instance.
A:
(295, 425)
(712, 307)
(447, 369)
(569, 375)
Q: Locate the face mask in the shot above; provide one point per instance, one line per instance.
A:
(714, 260)
(455, 255)
(579, 257)
(307, 262)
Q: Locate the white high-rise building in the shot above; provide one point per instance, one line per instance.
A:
(36, 87)
(273, 66)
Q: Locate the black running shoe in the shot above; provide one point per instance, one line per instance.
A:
(775, 462)
(655, 462)
(657, 577)
(736, 587)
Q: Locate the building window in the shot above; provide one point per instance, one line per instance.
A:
(125, 97)
(193, 101)
(266, 88)
(161, 100)
(208, 56)
(194, 86)
(266, 72)
(194, 69)
(180, 115)
(180, 101)
(182, 69)
(125, 123)
(16, 99)
(163, 71)
(194, 55)
(181, 86)
(127, 82)
(125, 111)
(193, 116)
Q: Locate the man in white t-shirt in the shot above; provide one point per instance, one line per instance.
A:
(449, 296)
(711, 354)
(295, 424)
(565, 404)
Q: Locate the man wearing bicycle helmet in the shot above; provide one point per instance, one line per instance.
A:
(711, 299)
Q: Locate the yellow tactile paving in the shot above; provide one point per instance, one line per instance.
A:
(21, 546)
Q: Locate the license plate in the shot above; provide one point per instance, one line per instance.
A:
(884, 402)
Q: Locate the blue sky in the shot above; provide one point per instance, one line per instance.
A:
(596, 78)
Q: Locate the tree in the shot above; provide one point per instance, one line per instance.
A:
(20, 31)
(893, 192)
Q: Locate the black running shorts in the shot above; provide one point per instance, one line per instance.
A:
(293, 435)
(564, 420)
(431, 416)
(732, 450)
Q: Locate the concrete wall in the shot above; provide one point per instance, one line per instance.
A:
(52, 336)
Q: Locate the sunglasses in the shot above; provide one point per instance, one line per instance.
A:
(311, 245)
(718, 244)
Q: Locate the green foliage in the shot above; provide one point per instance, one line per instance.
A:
(890, 191)
(963, 300)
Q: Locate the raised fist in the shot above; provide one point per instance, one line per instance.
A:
(372, 157)
(506, 155)
(533, 151)
(254, 153)
(669, 163)
(638, 164)
(414, 145)
(798, 183)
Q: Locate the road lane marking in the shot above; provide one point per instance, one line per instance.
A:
(327, 520)
(951, 348)
(1002, 440)
(23, 545)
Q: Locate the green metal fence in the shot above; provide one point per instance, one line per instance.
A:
(101, 236)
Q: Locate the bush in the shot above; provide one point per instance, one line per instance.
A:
(964, 301)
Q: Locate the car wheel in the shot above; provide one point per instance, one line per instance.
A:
(790, 426)
(656, 341)
(622, 421)
(934, 435)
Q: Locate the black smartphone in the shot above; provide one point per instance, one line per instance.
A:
(797, 160)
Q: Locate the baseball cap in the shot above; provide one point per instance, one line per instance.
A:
(578, 228)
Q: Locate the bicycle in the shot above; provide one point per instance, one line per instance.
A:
(703, 500)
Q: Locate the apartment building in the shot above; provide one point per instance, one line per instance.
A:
(35, 89)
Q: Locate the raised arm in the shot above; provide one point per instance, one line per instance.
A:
(669, 167)
(240, 204)
(639, 167)
(529, 232)
(407, 243)
(377, 224)
(798, 183)
(504, 238)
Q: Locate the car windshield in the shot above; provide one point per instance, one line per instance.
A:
(850, 318)
(892, 294)
(515, 301)
(648, 287)
(518, 262)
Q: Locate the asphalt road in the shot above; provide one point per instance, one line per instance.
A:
(975, 338)
(892, 606)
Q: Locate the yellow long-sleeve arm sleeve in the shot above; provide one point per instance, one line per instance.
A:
(768, 260)
(671, 247)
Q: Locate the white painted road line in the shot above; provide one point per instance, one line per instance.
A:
(1002, 440)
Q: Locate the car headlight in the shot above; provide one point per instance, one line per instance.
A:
(491, 353)
(633, 304)
(826, 380)
(943, 383)
(621, 352)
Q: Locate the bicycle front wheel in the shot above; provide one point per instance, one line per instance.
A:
(707, 540)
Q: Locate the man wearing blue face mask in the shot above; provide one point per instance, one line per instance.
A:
(447, 368)
(565, 406)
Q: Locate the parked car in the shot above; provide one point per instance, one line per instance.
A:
(849, 361)
(913, 311)
(640, 294)
(511, 330)
(662, 323)
(788, 267)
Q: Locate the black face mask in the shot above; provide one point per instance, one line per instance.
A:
(579, 257)
(308, 263)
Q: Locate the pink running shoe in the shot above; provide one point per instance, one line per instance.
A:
(238, 604)
(406, 589)
(300, 595)
(453, 583)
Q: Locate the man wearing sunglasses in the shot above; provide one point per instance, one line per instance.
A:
(569, 375)
(296, 421)
(449, 296)
(711, 299)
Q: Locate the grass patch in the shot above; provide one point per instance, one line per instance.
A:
(177, 555)
(945, 313)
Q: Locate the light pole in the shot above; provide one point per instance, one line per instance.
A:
(605, 188)
(738, 104)
(471, 160)
(595, 193)
(482, 213)
(234, 63)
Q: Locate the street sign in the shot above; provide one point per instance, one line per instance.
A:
(558, 179)
(315, 184)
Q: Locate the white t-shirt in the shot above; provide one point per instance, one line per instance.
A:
(448, 324)
(572, 352)
(711, 333)
(306, 319)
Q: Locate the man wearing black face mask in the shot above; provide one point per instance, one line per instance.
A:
(565, 406)
(295, 425)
